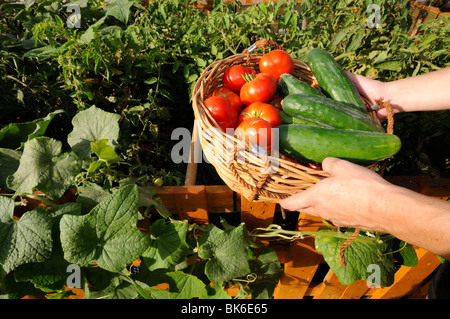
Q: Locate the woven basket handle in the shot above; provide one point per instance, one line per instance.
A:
(261, 44)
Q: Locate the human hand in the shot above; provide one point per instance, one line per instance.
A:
(371, 90)
(349, 197)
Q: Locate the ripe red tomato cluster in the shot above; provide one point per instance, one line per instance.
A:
(247, 102)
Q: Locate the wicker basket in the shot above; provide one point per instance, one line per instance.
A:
(257, 177)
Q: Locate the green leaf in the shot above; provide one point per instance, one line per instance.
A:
(181, 286)
(15, 134)
(52, 274)
(26, 240)
(105, 152)
(359, 256)
(108, 285)
(88, 35)
(94, 166)
(42, 53)
(90, 195)
(119, 9)
(405, 254)
(43, 167)
(147, 198)
(93, 125)
(427, 40)
(9, 163)
(341, 35)
(168, 246)
(227, 251)
(391, 65)
(355, 41)
(268, 269)
(108, 234)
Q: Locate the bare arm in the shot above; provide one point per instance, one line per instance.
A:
(354, 196)
(426, 92)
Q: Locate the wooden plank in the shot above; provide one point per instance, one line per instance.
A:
(221, 199)
(330, 288)
(407, 278)
(167, 196)
(191, 203)
(355, 290)
(298, 270)
(438, 188)
(301, 264)
(410, 182)
(256, 214)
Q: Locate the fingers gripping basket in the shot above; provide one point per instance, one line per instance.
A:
(257, 177)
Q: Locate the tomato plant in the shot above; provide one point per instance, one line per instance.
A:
(276, 62)
(222, 111)
(232, 97)
(233, 77)
(255, 130)
(264, 111)
(260, 88)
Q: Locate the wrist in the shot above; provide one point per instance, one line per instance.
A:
(392, 93)
(382, 209)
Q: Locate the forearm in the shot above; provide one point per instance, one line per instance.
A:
(417, 219)
(426, 92)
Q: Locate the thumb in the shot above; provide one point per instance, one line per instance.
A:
(334, 166)
(296, 202)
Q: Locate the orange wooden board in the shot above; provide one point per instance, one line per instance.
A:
(256, 214)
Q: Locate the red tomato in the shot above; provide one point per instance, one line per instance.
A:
(234, 99)
(255, 130)
(276, 101)
(276, 62)
(233, 77)
(261, 89)
(222, 111)
(264, 111)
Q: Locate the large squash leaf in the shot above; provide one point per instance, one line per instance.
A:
(15, 134)
(93, 125)
(24, 240)
(227, 253)
(43, 166)
(168, 245)
(108, 234)
(366, 260)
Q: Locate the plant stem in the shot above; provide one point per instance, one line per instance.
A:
(42, 199)
(344, 55)
(277, 231)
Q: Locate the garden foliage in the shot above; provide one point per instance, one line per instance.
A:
(92, 108)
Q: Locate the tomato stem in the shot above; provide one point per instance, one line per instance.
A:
(248, 77)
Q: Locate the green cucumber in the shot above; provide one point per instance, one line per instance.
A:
(289, 84)
(332, 78)
(325, 110)
(287, 119)
(314, 143)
